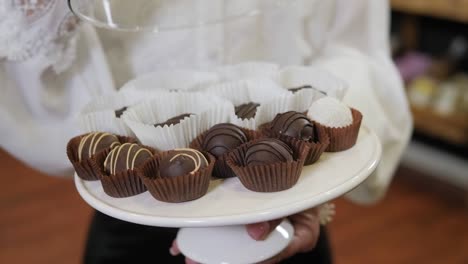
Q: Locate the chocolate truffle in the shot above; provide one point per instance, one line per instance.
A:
(247, 111)
(96, 142)
(297, 89)
(222, 138)
(119, 112)
(268, 151)
(126, 157)
(174, 120)
(182, 162)
(293, 124)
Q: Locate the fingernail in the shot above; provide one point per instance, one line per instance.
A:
(173, 252)
(259, 231)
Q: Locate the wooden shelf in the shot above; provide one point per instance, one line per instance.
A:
(456, 10)
(453, 128)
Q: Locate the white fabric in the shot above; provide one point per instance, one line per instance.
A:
(40, 100)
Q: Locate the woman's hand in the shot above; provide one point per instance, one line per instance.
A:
(306, 233)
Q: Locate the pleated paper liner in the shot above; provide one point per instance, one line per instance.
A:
(320, 79)
(273, 177)
(99, 114)
(86, 169)
(207, 111)
(343, 138)
(258, 90)
(176, 189)
(123, 184)
(316, 147)
(221, 169)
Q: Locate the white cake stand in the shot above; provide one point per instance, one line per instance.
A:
(218, 217)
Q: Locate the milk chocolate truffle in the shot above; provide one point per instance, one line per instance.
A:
(222, 138)
(247, 111)
(182, 162)
(174, 120)
(293, 124)
(94, 143)
(268, 151)
(119, 112)
(126, 157)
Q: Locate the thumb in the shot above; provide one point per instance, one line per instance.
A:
(260, 231)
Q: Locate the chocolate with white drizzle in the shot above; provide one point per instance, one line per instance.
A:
(96, 142)
(126, 157)
(182, 162)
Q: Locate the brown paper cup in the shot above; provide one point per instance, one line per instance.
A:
(176, 189)
(274, 177)
(343, 138)
(221, 169)
(263, 128)
(86, 169)
(123, 184)
(316, 148)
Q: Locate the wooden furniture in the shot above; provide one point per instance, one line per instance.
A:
(451, 128)
(456, 10)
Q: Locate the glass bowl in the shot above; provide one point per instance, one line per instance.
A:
(166, 15)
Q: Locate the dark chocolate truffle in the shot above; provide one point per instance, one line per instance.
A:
(246, 111)
(222, 138)
(293, 124)
(173, 121)
(268, 151)
(96, 142)
(182, 162)
(126, 157)
(297, 89)
(119, 112)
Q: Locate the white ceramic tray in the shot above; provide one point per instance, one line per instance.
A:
(228, 202)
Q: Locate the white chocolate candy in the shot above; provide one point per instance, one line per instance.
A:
(330, 112)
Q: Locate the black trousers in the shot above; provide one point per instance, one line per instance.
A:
(114, 241)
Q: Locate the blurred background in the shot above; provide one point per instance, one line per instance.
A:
(424, 217)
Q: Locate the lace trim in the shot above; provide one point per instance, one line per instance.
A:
(33, 9)
(62, 52)
(19, 40)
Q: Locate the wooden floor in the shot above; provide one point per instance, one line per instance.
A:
(43, 220)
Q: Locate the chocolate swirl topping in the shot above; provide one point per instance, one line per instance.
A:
(293, 124)
(268, 151)
(222, 138)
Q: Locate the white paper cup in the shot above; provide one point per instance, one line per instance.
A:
(99, 114)
(260, 91)
(323, 82)
(173, 80)
(207, 111)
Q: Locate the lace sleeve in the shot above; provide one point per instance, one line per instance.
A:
(38, 28)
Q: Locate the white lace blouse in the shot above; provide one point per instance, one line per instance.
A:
(51, 65)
